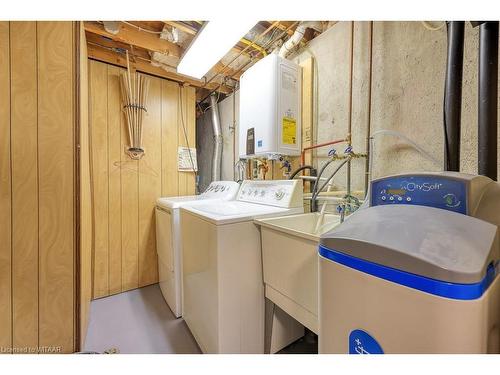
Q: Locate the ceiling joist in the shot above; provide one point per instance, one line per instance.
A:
(130, 35)
(182, 27)
(142, 38)
(111, 57)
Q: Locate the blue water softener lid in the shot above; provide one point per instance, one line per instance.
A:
(433, 250)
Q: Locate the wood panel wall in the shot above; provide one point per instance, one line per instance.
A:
(5, 194)
(37, 187)
(85, 204)
(124, 191)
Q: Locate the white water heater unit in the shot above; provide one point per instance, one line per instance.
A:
(270, 109)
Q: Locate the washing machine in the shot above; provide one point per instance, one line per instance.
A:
(222, 265)
(415, 270)
(168, 240)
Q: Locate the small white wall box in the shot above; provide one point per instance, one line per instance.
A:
(270, 109)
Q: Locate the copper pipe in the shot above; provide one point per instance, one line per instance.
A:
(351, 68)
(234, 135)
(302, 154)
(349, 124)
(369, 110)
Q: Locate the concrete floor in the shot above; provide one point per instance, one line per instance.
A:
(138, 321)
(305, 345)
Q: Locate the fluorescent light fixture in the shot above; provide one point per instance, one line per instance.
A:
(211, 44)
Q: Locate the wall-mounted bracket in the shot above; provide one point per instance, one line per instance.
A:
(134, 152)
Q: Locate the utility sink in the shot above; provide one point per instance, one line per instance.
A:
(290, 262)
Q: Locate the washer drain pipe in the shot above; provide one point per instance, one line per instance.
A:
(488, 99)
(453, 95)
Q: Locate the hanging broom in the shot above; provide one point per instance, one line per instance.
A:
(134, 88)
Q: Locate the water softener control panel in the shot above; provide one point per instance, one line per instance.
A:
(423, 190)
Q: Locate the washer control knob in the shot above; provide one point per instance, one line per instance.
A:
(279, 194)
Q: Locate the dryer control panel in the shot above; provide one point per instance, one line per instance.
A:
(281, 193)
(424, 190)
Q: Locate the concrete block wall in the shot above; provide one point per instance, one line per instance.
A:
(407, 94)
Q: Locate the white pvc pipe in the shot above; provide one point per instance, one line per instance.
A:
(297, 36)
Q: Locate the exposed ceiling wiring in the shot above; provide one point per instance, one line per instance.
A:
(257, 47)
(122, 51)
(218, 95)
(246, 48)
(141, 28)
(268, 45)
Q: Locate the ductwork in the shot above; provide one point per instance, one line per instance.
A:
(217, 155)
(112, 27)
(170, 35)
(297, 36)
(164, 60)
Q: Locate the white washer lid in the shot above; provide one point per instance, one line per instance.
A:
(236, 211)
(176, 202)
(217, 190)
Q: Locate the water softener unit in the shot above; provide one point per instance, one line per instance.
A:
(415, 270)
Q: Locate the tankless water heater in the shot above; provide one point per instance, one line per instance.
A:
(270, 113)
